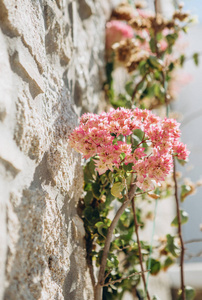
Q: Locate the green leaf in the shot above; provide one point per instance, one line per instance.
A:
(125, 218)
(142, 86)
(112, 261)
(88, 211)
(91, 215)
(171, 67)
(171, 246)
(137, 136)
(159, 36)
(102, 228)
(155, 266)
(116, 189)
(185, 191)
(183, 216)
(171, 38)
(122, 156)
(168, 262)
(115, 141)
(185, 29)
(127, 235)
(121, 101)
(88, 198)
(128, 167)
(143, 67)
(152, 44)
(196, 58)
(159, 92)
(89, 171)
(155, 62)
(189, 293)
(182, 60)
(96, 190)
(129, 88)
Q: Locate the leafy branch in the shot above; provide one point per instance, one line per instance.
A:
(139, 249)
(179, 232)
(100, 283)
(123, 278)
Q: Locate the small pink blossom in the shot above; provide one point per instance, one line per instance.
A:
(117, 31)
(181, 151)
(146, 185)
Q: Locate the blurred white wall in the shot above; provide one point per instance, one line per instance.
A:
(190, 105)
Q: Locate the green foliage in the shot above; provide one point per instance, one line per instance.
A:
(116, 190)
(172, 246)
(171, 39)
(155, 63)
(189, 293)
(183, 218)
(168, 262)
(122, 101)
(152, 44)
(196, 58)
(89, 171)
(154, 265)
(185, 191)
(182, 60)
(101, 190)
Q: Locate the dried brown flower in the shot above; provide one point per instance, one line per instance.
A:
(139, 23)
(181, 16)
(135, 59)
(124, 50)
(140, 4)
(158, 23)
(170, 24)
(123, 11)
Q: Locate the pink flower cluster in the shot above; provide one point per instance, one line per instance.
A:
(97, 136)
(117, 31)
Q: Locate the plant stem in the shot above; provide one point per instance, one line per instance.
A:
(122, 278)
(100, 283)
(137, 85)
(155, 30)
(155, 6)
(139, 249)
(164, 86)
(193, 241)
(179, 232)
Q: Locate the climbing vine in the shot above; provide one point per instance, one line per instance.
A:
(130, 154)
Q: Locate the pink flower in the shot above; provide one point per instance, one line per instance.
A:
(117, 31)
(163, 45)
(139, 153)
(146, 185)
(106, 137)
(181, 151)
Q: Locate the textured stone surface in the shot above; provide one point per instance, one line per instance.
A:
(51, 62)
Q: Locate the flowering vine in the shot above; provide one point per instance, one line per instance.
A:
(130, 152)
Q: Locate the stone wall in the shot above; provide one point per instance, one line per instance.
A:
(51, 70)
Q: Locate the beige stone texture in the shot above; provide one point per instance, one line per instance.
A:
(51, 71)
